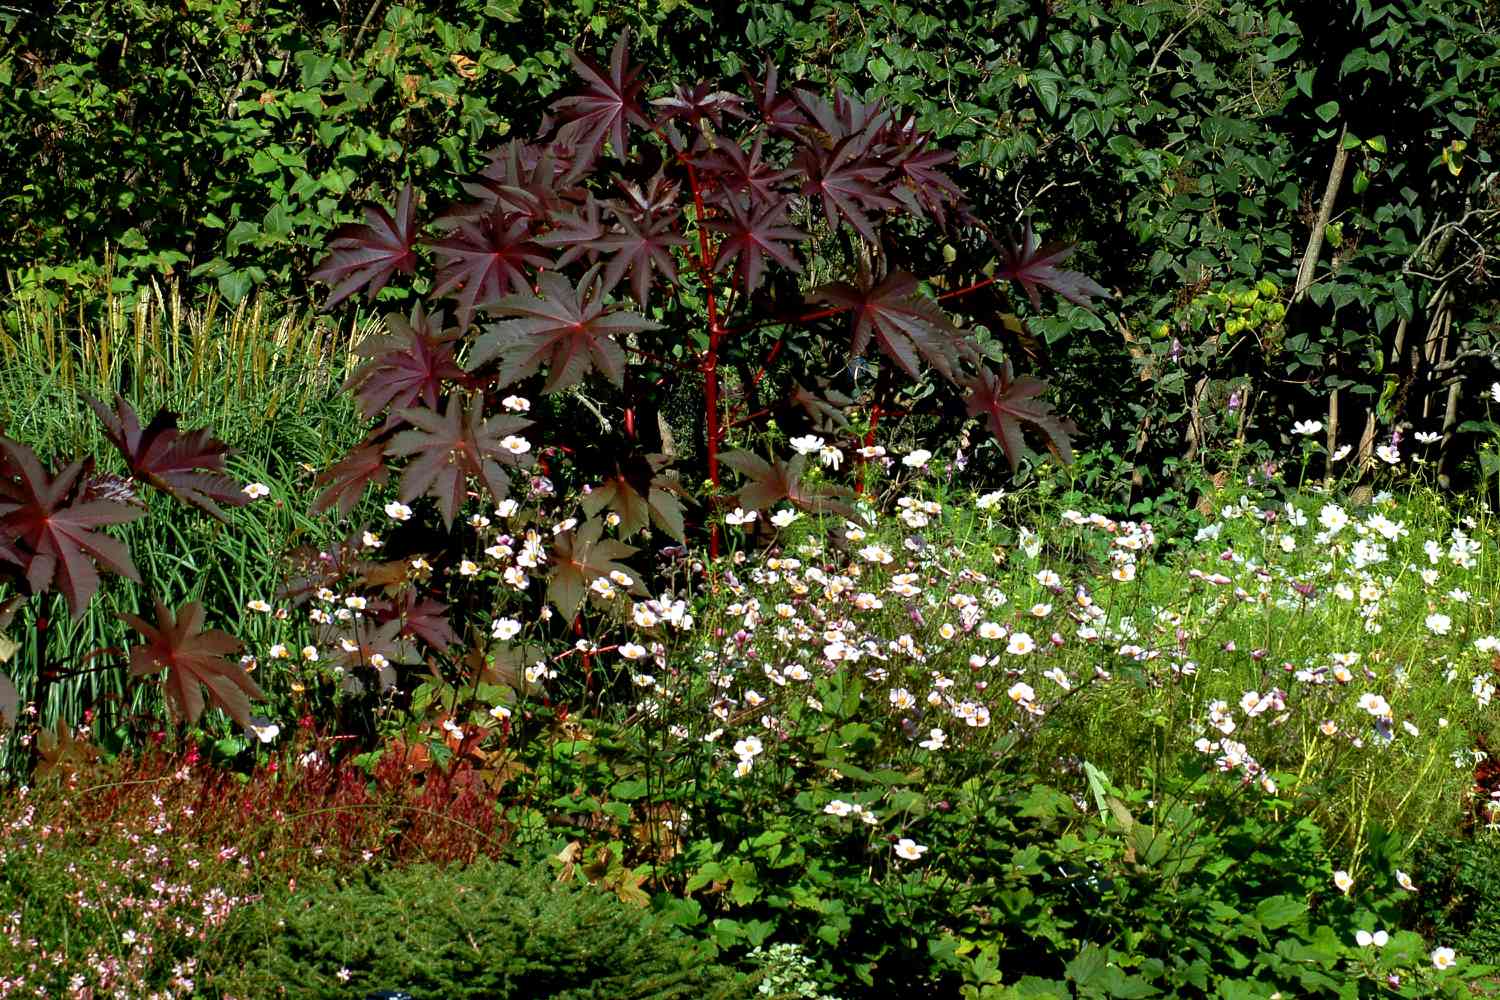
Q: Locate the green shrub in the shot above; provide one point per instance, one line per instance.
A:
(487, 931)
(1460, 899)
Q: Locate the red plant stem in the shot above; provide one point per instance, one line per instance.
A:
(967, 289)
(712, 429)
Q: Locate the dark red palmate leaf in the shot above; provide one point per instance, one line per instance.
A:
(774, 481)
(369, 254)
(778, 108)
(366, 643)
(421, 617)
(193, 659)
(904, 322)
(485, 258)
(1030, 264)
(452, 446)
(580, 557)
(702, 102)
(610, 101)
(640, 495)
(639, 248)
(1006, 403)
(847, 184)
(187, 465)
(737, 172)
(408, 364)
(752, 235)
(45, 524)
(573, 231)
(568, 330)
(344, 483)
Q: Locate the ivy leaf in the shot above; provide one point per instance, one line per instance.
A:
(194, 660)
(1031, 264)
(774, 481)
(452, 446)
(580, 557)
(345, 483)
(903, 321)
(640, 495)
(49, 525)
(483, 259)
(188, 466)
(750, 235)
(610, 100)
(407, 364)
(369, 254)
(1006, 403)
(569, 330)
(639, 248)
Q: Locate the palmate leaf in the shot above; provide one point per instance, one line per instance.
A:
(452, 446)
(1030, 264)
(581, 556)
(525, 179)
(573, 231)
(62, 755)
(1006, 403)
(702, 102)
(484, 259)
(187, 465)
(751, 235)
(738, 172)
(369, 254)
(359, 641)
(407, 365)
(847, 184)
(640, 495)
(639, 248)
(923, 188)
(568, 329)
(344, 483)
(418, 616)
(778, 108)
(193, 660)
(904, 322)
(46, 523)
(771, 482)
(611, 100)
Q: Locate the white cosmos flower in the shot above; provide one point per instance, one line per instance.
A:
(515, 445)
(748, 748)
(830, 456)
(1495, 392)
(838, 807)
(1404, 881)
(1343, 880)
(807, 444)
(1342, 452)
(784, 517)
(1364, 938)
(740, 516)
(1439, 624)
(256, 490)
(1389, 454)
(1445, 958)
(1427, 437)
(910, 850)
(516, 404)
(1020, 644)
(1307, 427)
(397, 511)
(989, 500)
(917, 459)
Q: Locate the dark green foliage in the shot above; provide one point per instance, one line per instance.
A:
(488, 931)
(1460, 898)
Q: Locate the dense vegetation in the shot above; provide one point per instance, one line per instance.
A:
(813, 501)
